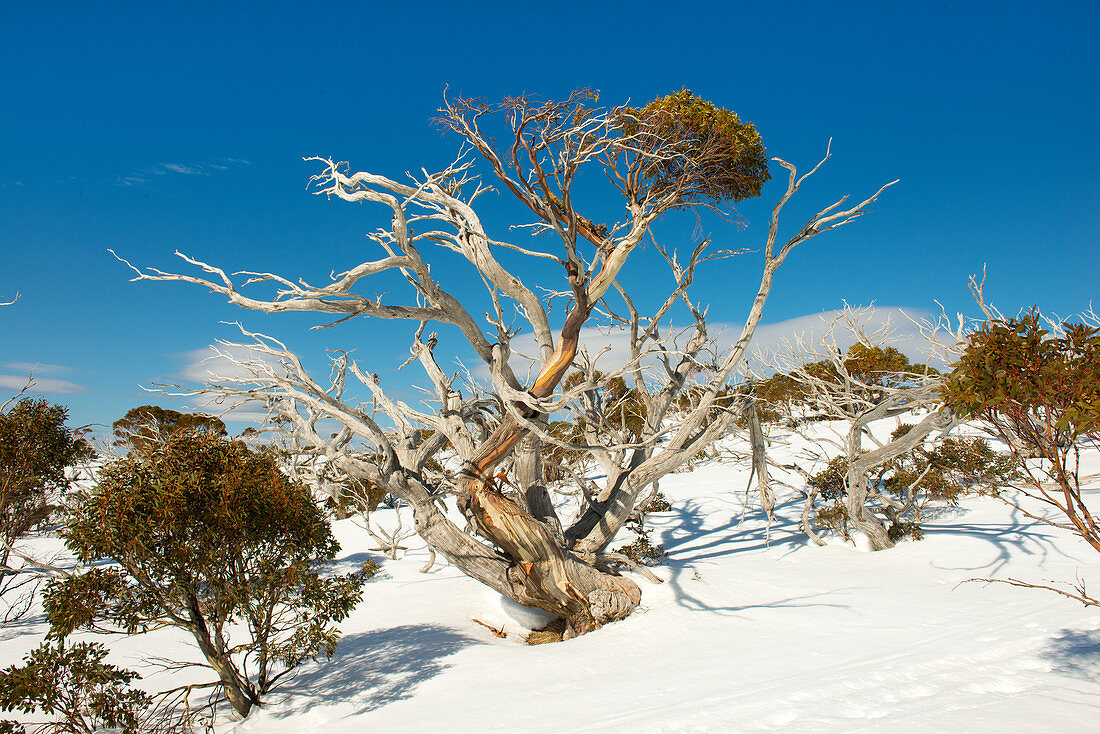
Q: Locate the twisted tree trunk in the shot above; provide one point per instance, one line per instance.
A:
(554, 578)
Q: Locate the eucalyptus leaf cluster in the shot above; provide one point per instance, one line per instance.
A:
(206, 534)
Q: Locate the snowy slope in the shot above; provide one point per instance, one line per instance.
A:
(752, 631)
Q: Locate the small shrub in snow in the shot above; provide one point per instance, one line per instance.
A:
(208, 535)
(657, 503)
(642, 551)
(1035, 382)
(955, 466)
(71, 684)
(35, 449)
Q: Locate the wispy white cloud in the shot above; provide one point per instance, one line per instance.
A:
(221, 364)
(45, 385)
(35, 367)
(200, 365)
(143, 176)
(184, 169)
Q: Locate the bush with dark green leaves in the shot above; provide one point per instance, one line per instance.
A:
(613, 405)
(945, 472)
(207, 535)
(642, 551)
(1036, 384)
(1041, 387)
(36, 447)
(953, 467)
(74, 687)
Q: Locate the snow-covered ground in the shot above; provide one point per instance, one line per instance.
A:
(753, 630)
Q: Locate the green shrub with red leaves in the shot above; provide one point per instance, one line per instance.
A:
(72, 685)
(207, 535)
(36, 447)
(1036, 383)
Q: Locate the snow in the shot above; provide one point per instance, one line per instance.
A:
(755, 629)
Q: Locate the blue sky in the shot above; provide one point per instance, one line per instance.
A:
(155, 127)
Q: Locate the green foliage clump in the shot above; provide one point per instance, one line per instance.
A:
(702, 149)
(208, 535)
(831, 485)
(146, 427)
(952, 468)
(1046, 388)
(955, 466)
(556, 460)
(643, 552)
(614, 405)
(835, 515)
(71, 682)
(1039, 390)
(780, 390)
(904, 529)
(657, 503)
(35, 449)
(873, 366)
(831, 482)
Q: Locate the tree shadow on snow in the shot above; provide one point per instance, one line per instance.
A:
(692, 538)
(29, 624)
(1020, 535)
(373, 669)
(689, 601)
(1075, 653)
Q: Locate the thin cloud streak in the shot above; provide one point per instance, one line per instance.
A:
(139, 178)
(186, 170)
(45, 385)
(34, 367)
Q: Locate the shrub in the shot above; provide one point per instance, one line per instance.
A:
(831, 486)
(1044, 388)
(657, 503)
(1038, 388)
(613, 404)
(74, 683)
(727, 156)
(643, 552)
(557, 459)
(835, 516)
(955, 466)
(209, 536)
(35, 449)
(831, 482)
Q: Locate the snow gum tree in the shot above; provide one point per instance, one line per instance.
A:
(677, 153)
(146, 427)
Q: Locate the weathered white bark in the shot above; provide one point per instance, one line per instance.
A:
(521, 548)
(859, 403)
